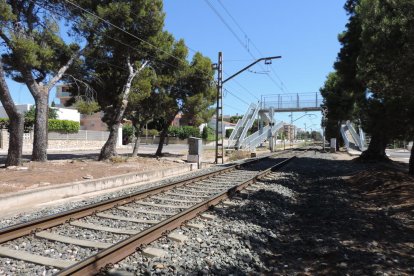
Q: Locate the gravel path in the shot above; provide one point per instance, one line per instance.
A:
(303, 220)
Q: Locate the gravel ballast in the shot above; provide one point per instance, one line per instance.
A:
(299, 221)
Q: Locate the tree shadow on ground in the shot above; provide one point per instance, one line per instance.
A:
(328, 228)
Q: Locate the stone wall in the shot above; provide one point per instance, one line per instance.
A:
(64, 143)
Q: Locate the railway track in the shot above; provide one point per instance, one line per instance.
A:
(96, 236)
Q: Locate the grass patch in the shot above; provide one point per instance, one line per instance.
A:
(238, 154)
(118, 159)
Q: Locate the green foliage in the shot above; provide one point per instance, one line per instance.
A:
(4, 123)
(152, 132)
(34, 42)
(127, 133)
(29, 116)
(386, 63)
(106, 69)
(184, 132)
(228, 132)
(208, 134)
(373, 80)
(118, 159)
(317, 136)
(87, 107)
(234, 119)
(204, 133)
(63, 126)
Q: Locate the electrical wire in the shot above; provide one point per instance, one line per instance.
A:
(237, 97)
(280, 86)
(235, 108)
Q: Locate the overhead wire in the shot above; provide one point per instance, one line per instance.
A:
(280, 86)
(249, 40)
(245, 89)
(235, 108)
(235, 96)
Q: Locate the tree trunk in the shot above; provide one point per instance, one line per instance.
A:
(376, 149)
(136, 146)
(40, 93)
(40, 140)
(16, 123)
(411, 163)
(16, 129)
(163, 134)
(138, 140)
(109, 149)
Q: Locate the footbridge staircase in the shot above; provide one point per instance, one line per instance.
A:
(265, 111)
(239, 138)
(352, 139)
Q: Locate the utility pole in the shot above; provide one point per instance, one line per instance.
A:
(291, 130)
(219, 111)
(325, 114)
(219, 107)
(306, 134)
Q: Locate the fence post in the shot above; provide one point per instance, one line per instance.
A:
(86, 135)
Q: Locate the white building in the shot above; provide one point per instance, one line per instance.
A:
(62, 113)
(21, 108)
(67, 114)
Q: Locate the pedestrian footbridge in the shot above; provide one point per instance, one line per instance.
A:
(265, 111)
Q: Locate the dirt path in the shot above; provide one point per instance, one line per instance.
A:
(346, 219)
(38, 174)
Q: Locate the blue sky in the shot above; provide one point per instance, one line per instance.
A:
(304, 33)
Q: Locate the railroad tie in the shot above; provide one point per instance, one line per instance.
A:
(175, 200)
(56, 237)
(145, 211)
(162, 205)
(109, 216)
(188, 195)
(103, 228)
(32, 258)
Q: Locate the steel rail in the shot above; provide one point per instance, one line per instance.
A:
(23, 229)
(105, 259)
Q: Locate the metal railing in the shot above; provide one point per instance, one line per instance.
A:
(292, 101)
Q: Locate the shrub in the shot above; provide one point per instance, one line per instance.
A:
(184, 132)
(204, 134)
(228, 132)
(127, 134)
(152, 132)
(63, 126)
(174, 131)
(118, 159)
(87, 107)
(4, 123)
(190, 131)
